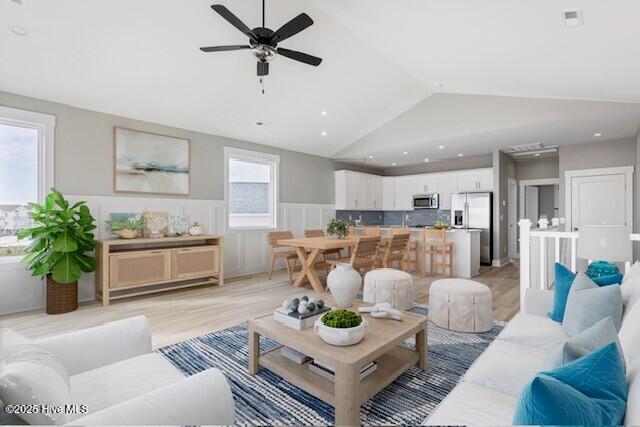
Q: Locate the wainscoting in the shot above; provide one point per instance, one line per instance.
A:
(245, 251)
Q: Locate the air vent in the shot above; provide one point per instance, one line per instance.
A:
(523, 148)
(572, 18)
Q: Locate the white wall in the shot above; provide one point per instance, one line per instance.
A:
(245, 252)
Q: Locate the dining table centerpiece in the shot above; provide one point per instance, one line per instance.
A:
(338, 228)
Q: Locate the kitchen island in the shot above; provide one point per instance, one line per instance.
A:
(466, 249)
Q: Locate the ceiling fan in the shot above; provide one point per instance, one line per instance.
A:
(263, 41)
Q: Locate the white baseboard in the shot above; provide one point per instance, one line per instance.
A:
(500, 262)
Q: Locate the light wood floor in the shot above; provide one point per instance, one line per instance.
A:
(175, 316)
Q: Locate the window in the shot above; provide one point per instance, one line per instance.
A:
(251, 189)
(26, 171)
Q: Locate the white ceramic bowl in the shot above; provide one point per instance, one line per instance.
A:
(341, 336)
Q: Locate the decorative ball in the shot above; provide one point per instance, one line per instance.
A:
(286, 304)
(293, 306)
(295, 301)
(320, 304)
(302, 308)
(303, 304)
(305, 298)
(311, 306)
(312, 299)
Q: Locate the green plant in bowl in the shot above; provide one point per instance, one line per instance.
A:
(440, 224)
(341, 319)
(338, 227)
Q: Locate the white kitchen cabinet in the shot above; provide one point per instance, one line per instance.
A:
(357, 191)
(389, 193)
(475, 180)
(447, 185)
(404, 193)
(425, 184)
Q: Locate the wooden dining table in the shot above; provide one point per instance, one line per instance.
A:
(308, 259)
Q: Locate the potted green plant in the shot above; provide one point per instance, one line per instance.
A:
(338, 228)
(128, 228)
(60, 239)
(341, 327)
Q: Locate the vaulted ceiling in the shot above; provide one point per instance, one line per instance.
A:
(407, 75)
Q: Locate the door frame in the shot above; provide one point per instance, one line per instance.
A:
(512, 217)
(627, 171)
(527, 182)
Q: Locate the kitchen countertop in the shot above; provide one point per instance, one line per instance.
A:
(449, 230)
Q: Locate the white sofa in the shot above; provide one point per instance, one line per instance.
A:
(113, 371)
(488, 392)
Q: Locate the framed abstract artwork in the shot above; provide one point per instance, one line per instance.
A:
(146, 162)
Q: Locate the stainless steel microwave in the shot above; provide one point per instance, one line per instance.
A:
(426, 201)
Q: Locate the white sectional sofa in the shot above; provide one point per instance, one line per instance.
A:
(488, 392)
(113, 371)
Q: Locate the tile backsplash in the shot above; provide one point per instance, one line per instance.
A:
(418, 217)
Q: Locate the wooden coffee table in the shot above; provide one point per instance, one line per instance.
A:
(381, 344)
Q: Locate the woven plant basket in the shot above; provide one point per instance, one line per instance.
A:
(61, 298)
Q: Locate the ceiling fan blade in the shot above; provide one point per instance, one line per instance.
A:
(292, 28)
(299, 56)
(224, 48)
(263, 68)
(235, 21)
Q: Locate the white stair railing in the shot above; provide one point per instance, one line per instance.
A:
(534, 254)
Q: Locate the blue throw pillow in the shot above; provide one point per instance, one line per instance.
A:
(591, 390)
(589, 303)
(564, 279)
(614, 279)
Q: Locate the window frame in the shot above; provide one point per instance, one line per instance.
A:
(273, 161)
(45, 125)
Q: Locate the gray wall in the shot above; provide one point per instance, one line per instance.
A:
(472, 162)
(504, 168)
(84, 156)
(540, 168)
(592, 155)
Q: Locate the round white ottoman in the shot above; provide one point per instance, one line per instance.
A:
(461, 305)
(389, 285)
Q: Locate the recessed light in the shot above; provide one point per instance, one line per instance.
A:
(537, 154)
(597, 134)
(324, 112)
(426, 160)
(323, 133)
(19, 31)
(393, 164)
(441, 147)
(371, 157)
(404, 153)
(460, 155)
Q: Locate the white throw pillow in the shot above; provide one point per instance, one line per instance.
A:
(629, 336)
(630, 287)
(632, 416)
(31, 375)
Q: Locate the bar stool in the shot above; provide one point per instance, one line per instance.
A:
(434, 244)
(412, 256)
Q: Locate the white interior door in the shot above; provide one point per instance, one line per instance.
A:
(599, 200)
(531, 208)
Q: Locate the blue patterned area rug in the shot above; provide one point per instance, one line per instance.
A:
(267, 399)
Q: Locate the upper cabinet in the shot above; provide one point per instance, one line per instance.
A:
(361, 191)
(475, 180)
(358, 191)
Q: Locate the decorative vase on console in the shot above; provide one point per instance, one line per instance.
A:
(344, 283)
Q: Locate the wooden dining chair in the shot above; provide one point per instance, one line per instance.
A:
(434, 244)
(371, 230)
(412, 256)
(396, 250)
(278, 251)
(364, 254)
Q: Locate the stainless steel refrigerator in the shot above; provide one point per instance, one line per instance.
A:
(475, 211)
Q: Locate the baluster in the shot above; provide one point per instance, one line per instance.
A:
(543, 263)
(525, 277)
(557, 257)
(573, 253)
